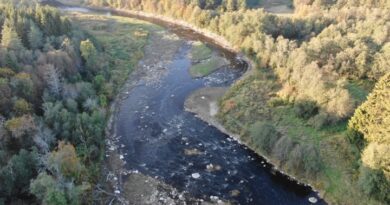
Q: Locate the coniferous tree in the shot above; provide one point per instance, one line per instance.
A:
(10, 38)
(35, 37)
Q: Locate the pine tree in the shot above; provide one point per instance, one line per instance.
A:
(10, 38)
(35, 37)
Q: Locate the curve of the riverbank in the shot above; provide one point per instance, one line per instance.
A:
(214, 93)
(216, 39)
(220, 42)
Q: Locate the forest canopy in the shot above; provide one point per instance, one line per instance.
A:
(54, 86)
(323, 60)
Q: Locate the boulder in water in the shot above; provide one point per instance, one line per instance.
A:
(195, 175)
(313, 200)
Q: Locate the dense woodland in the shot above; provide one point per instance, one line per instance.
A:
(321, 62)
(325, 58)
(54, 86)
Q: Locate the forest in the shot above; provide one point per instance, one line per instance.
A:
(55, 87)
(323, 69)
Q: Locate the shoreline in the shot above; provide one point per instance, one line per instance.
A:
(208, 96)
(216, 39)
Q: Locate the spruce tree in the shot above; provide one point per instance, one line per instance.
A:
(35, 37)
(10, 38)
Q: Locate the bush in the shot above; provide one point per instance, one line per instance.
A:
(305, 109)
(311, 160)
(275, 102)
(283, 148)
(374, 183)
(356, 138)
(295, 158)
(320, 120)
(264, 136)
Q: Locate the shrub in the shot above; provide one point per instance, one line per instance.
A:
(264, 136)
(356, 138)
(295, 158)
(283, 148)
(305, 109)
(311, 160)
(320, 120)
(374, 183)
(276, 101)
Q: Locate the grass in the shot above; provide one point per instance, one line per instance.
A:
(200, 51)
(207, 67)
(122, 40)
(359, 90)
(246, 103)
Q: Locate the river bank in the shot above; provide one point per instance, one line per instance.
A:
(214, 97)
(215, 94)
(204, 103)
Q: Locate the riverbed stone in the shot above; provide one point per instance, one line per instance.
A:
(313, 200)
(195, 175)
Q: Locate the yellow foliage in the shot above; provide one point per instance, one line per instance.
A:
(20, 125)
(377, 156)
(6, 72)
(65, 160)
(372, 118)
(23, 76)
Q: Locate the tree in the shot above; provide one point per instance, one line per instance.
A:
(21, 107)
(20, 126)
(52, 79)
(88, 50)
(376, 156)
(48, 190)
(16, 176)
(23, 85)
(241, 4)
(64, 160)
(372, 117)
(230, 5)
(54, 191)
(35, 36)
(374, 184)
(264, 136)
(5, 96)
(9, 36)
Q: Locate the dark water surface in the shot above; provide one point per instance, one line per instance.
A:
(155, 130)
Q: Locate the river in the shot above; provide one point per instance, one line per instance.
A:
(155, 132)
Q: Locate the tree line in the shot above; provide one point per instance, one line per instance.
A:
(55, 85)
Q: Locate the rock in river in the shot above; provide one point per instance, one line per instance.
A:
(195, 175)
(313, 200)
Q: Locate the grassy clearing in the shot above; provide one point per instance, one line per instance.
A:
(247, 102)
(122, 39)
(207, 67)
(200, 51)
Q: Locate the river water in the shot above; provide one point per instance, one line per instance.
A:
(155, 131)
